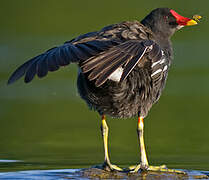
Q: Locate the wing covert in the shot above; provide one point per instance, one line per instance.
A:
(125, 55)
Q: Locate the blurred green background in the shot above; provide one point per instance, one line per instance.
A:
(45, 123)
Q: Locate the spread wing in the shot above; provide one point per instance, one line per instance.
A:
(63, 55)
(126, 56)
(116, 49)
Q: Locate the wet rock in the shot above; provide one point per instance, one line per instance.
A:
(102, 174)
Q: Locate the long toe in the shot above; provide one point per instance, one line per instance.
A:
(136, 168)
(111, 167)
(163, 168)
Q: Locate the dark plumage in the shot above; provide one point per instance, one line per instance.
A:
(123, 67)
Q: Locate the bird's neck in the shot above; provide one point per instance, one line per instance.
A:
(162, 38)
(158, 30)
(166, 46)
(164, 42)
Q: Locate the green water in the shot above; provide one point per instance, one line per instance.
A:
(46, 125)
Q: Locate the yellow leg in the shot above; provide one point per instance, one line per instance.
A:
(107, 164)
(140, 132)
(144, 162)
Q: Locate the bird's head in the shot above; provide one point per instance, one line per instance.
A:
(165, 21)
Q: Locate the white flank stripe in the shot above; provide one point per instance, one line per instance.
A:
(162, 61)
(156, 72)
(116, 75)
(165, 68)
(155, 63)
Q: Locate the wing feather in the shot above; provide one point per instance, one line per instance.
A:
(42, 67)
(18, 73)
(132, 63)
(126, 55)
(106, 65)
(111, 59)
(52, 63)
(55, 57)
(30, 73)
(95, 61)
(102, 79)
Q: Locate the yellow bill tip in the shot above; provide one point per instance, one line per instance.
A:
(191, 22)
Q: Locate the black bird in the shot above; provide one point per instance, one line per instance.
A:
(122, 69)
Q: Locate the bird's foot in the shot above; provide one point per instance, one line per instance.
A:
(136, 168)
(111, 167)
(162, 168)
